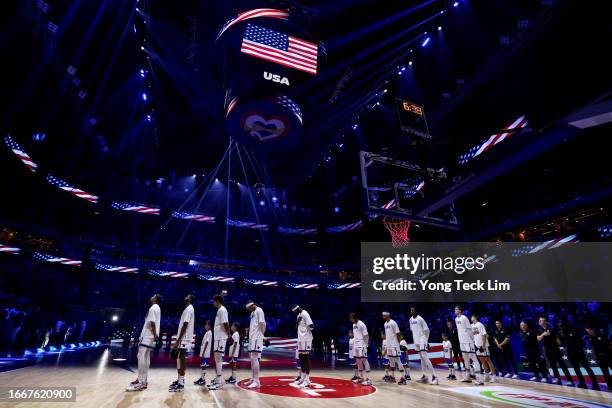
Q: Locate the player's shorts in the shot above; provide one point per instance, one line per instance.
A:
(148, 342)
(204, 362)
(393, 351)
(351, 361)
(483, 353)
(403, 358)
(385, 362)
(449, 362)
(233, 359)
(304, 346)
(360, 352)
(420, 347)
(255, 345)
(219, 346)
(467, 347)
(187, 346)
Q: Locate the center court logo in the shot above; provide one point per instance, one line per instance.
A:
(321, 387)
(526, 398)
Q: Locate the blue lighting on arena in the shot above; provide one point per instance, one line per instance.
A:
(425, 42)
(456, 4)
(144, 96)
(439, 28)
(274, 199)
(149, 118)
(143, 73)
(336, 209)
(39, 137)
(262, 203)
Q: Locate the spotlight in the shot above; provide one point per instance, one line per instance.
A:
(336, 209)
(385, 90)
(149, 118)
(274, 199)
(143, 73)
(114, 318)
(410, 63)
(262, 203)
(456, 4)
(144, 96)
(425, 42)
(439, 28)
(142, 48)
(355, 126)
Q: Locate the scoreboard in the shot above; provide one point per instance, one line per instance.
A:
(412, 118)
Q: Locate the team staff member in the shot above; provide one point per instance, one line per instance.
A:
(574, 347)
(529, 341)
(550, 339)
(503, 350)
(601, 348)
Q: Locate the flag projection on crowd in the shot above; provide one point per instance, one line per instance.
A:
(302, 285)
(246, 224)
(168, 274)
(297, 231)
(343, 285)
(256, 13)
(260, 282)
(214, 278)
(281, 342)
(344, 228)
(5, 249)
(112, 268)
(56, 259)
(54, 181)
(193, 216)
(280, 48)
(23, 156)
(493, 140)
(551, 244)
(120, 205)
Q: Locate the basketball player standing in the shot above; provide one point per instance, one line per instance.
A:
(467, 346)
(221, 332)
(305, 326)
(149, 336)
(420, 336)
(257, 329)
(184, 338)
(393, 336)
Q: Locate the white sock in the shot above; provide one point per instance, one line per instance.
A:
(181, 379)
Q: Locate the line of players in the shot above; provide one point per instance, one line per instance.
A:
(216, 341)
(472, 336)
(473, 343)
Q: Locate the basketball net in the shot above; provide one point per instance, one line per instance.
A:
(398, 228)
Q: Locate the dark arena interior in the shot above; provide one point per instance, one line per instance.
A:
(196, 196)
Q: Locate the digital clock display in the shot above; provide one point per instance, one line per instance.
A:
(412, 119)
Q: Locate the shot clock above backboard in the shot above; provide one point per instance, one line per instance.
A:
(412, 118)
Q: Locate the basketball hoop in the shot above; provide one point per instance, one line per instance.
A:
(398, 228)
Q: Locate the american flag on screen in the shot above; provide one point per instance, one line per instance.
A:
(56, 259)
(510, 130)
(5, 249)
(113, 268)
(54, 181)
(120, 205)
(260, 282)
(169, 274)
(302, 285)
(23, 156)
(202, 276)
(280, 48)
(193, 216)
